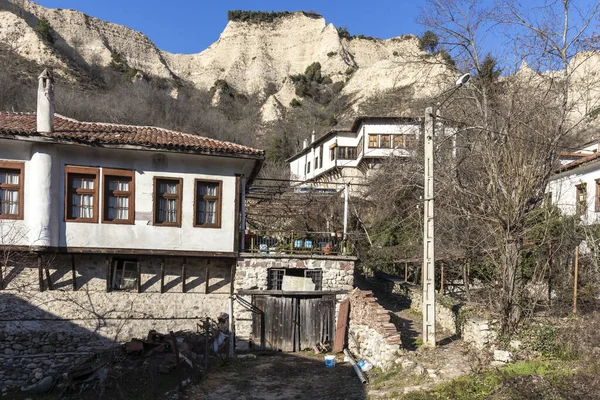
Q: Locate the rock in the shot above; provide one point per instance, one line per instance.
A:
(502, 355)
(516, 344)
(48, 348)
(408, 364)
(418, 370)
(18, 346)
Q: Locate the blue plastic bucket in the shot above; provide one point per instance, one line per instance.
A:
(329, 361)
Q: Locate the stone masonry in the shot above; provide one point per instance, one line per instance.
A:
(371, 334)
(42, 333)
(252, 274)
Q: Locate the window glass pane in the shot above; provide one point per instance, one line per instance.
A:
(13, 178)
(76, 199)
(211, 215)
(123, 186)
(172, 188)
(162, 187)
(76, 183)
(212, 189)
(385, 141)
(171, 210)
(88, 183)
(162, 210)
(201, 190)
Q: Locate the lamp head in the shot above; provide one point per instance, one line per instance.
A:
(463, 79)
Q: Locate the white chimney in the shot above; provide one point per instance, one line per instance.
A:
(45, 102)
(312, 137)
(305, 143)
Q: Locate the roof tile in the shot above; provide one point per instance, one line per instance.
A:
(70, 130)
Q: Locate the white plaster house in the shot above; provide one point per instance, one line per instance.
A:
(575, 186)
(111, 230)
(347, 156)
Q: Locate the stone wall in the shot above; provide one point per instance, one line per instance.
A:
(252, 274)
(371, 334)
(54, 328)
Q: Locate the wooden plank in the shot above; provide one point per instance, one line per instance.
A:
(1, 279)
(207, 279)
(339, 341)
(238, 220)
(73, 272)
(40, 273)
(48, 278)
(139, 276)
(162, 275)
(108, 266)
(183, 271)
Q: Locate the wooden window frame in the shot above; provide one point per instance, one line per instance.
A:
(389, 139)
(21, 203)
(122, 263)
(218, 198)
(155, 201)
(73, 171)
(581, 203)
(376, 146)
(359, 148)
(107, 174)
(321, 156)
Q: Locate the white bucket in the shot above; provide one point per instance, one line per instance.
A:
(329, 361)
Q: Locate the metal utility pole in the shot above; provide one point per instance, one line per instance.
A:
(428, 235)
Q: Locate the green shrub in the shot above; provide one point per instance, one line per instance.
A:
(446, 57)
(350, 70)
(429, 42)
(263, 16)
(331, 53)
(295, 103)
(344, 34)
(45, 30)
(395, 53)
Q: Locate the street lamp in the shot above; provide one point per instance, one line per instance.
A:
(428, 226)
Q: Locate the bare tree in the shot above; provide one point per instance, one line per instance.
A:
(513, 125)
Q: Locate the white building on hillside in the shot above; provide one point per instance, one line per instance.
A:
(348, 156)
(575, 186)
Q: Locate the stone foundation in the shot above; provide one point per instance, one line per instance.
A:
(252, 274)
(42, 333)
(371, 334)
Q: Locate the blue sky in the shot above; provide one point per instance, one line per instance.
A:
(190, 26)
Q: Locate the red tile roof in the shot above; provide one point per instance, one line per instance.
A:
(97, 133)
(577, 163)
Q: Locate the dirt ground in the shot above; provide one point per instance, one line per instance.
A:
(272, 376)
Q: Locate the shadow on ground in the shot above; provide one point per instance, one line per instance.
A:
(273, 375)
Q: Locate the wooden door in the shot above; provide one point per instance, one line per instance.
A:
(293, 323)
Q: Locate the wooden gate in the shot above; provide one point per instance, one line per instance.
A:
(293, 323)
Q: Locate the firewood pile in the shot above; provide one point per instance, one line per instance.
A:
(141, 362)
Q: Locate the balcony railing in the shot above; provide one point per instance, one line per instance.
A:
(278, 242)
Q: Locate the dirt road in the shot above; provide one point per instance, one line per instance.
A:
(273, 376)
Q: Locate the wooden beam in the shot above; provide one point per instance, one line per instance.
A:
(442, 279)
(108, 267)
(1, 278)
(48, 278)
(73, 272)
(207, 276)
(139, 277)
(162, 275)
(183, 271)
(40, 273)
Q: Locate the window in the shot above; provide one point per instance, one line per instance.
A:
(373, 141)
(308, 167)
(346, 153)
(167, 201)
(82, 194)
(404, 141)
(275, 277)
(581, 193)
(359, 148)
(208, 204)
(124, 275)
(332, 153)
(385, 141)
(11, 190)
(119, 196)
(321, 156)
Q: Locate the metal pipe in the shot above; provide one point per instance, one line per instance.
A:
(357, 369)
